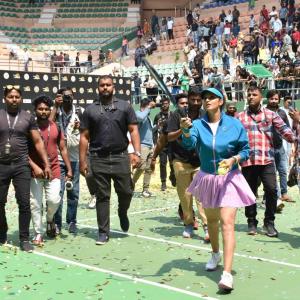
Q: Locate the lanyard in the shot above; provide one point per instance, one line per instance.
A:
(46, 143)
(11, 128)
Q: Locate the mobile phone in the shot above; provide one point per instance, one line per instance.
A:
(292, 106)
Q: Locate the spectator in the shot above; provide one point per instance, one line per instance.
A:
(252, 24)
(154, 21)
(235, 15)
(283, 14)
(124, 46)
(170, 24)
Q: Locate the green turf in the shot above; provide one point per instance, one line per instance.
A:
(29, 276)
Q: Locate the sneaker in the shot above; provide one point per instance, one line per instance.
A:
(26, 246)
(212, 264)
(206, 234)
(92, 203)
(280, 206)
(252, 229)
(163, 186)
(226, 282)
(102, 239)
(180, 212)
(57, 230)
(72, 227)
(38, 240)
(270, 230)
(188, 231)
(51, 229)
(196, 224)
(124, 222)
(146, 194)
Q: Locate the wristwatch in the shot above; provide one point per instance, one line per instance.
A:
(137, 153)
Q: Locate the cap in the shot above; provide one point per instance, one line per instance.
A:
(214, 91)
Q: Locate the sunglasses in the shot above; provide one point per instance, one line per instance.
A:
(12, 87)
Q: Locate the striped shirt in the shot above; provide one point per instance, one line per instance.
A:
(259, 127)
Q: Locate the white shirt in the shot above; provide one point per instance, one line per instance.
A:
(192, 55)
(170, 24)
(214, 127)
(277, 25)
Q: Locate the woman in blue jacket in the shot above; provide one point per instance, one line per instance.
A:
(222, 143)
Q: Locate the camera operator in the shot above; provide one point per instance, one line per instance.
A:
(67, 115)
(160, 121)
(146, 136)
(186, 163)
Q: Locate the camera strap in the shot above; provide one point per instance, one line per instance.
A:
(11, 129)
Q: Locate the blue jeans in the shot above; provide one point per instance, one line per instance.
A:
(281, 167)
(72, 195)
(248, 60)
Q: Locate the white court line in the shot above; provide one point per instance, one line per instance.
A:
(129, 277)
(277, 262)
(133, 213)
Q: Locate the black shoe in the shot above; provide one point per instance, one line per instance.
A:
(3, 239)
(270, 230)
(124, 222)
(26, 246)
(252, 229)
(51, 229)
(102, 239)
(172, 178)
(163, 186)
(72, 227)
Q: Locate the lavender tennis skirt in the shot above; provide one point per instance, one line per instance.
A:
(230, 190)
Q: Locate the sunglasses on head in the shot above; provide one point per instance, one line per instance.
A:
(11, 87)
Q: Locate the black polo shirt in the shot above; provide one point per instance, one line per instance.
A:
(19, 136)
(108, 127)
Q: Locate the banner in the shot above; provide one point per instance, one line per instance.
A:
(84, 86)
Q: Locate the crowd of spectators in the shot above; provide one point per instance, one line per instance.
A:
(218, 52)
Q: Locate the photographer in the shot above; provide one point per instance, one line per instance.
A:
(160, 121)
(67, 116)
(146, 136)
(186, 163)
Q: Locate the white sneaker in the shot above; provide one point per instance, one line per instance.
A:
(226, 282)
(92, 203)
(212, 264)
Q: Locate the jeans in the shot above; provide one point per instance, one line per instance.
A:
(248, 60)
(52, 190)
(72, 195)
(281, 167)
(267, 175)
(163, 160)
(19, 174)
(116, 168)
(195, 37)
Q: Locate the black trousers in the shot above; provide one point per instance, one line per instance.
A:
(19, 174)
(90, 180)
(267, 175)
(163, 161)
(114, 168)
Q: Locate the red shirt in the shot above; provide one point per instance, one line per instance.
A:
(296, 36)
(50, 136)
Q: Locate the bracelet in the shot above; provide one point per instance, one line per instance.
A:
(185, 130)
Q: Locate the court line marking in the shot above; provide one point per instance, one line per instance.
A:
(161, 240)
(133, 213)
(129, 277)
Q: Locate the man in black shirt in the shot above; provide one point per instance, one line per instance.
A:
(104, 128)
(159, 122)
(16, 128)
(186, 163)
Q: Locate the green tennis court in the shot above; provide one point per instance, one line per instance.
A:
(152, 261)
